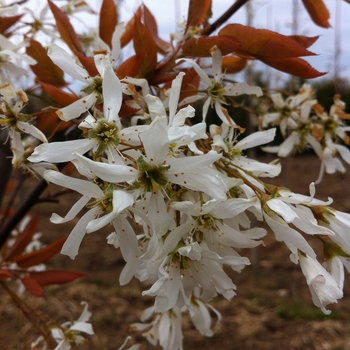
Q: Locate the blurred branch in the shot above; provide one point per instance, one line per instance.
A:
(223, 18)
(5, 162)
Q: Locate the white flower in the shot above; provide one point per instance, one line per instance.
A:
(339, 223)
(165, 328)
(11, 117)
(223, 139)
(216, 91)
(9, 56)
(93, 91)
(69, 332)
(323, 287)
(200, 315)
(109, 202)
(103, 134)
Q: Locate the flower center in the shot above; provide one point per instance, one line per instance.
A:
(106, 134)
(152, 177)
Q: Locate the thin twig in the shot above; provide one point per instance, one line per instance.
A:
(224, 17)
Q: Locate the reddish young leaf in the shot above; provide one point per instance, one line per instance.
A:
(263, 42)
(304, 41)
(232, 64)
(129, 28)
(129, 68)
(318, 12)
(146, 50)
(60, 96)
(201, 47)
(108, 21)
(32, 286)
(151, 25)
(198, 11)
(45, 69)
(48, 277)
(39, 256)
(7, 22)
(23, 239)
(88, 63)
(49, 123)
(293, 65)
(65, 28)
(190, 83)
(5, 274)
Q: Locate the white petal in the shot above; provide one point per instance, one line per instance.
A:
(198, 69)
(86, 188)
(72, 244)
(174, 96)
(109, 172)
(32, 130)
(282, 209)
(256, 139)
(65, 61)
(112, 95)
(73, 212)
(77, 108)
(56, 152)
(242, 88)
(155, 141)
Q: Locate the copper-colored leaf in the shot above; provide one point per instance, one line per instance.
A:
(146, 50)
(293, 65)
(7, 22)
(129, 68)
(304, 41)
(23, 239)
(48, 277)
(129, 28)
(49, 123)
(39, 256)
(198, 11)
(318, 12)
(88, 63)
(108, 21)
(190, 83)
(201, 47)
(65, 28)
(45, 69)
(263, 42)
(232, 64)
(57, 94)
(32, 286)
(5, 274)
(151, 25)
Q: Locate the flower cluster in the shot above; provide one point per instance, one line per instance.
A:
(188, 195)
(305, 124)
(178, 192)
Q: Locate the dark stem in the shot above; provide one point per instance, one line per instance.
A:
(223, 18)
(5, 162)
(22, 210)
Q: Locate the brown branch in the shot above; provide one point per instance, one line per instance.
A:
(223, 18)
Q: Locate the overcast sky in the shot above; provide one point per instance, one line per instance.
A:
(271, 14)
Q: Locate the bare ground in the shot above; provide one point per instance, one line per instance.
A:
(272, 309)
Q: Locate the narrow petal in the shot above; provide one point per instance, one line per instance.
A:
(155, 141)
(109, 172)
(66, 62)
(77, 108)
(112, 95)
(86, 188)
(174, 96)
(72, 244)
(57, 152)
